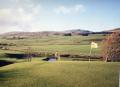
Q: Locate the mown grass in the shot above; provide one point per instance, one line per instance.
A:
(60, 74)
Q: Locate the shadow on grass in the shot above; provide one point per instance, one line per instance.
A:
(5, 62)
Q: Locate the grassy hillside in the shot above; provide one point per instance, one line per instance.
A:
(60, 74)
(62, 44)
(50, 40)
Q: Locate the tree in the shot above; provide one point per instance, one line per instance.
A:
(111, 47)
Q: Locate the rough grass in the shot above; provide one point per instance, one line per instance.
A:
(60, 74)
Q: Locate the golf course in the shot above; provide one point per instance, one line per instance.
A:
(59, 43)
(62, 73)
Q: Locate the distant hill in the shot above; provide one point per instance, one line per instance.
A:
(43, 33)
(78, 31)
(48, 33)
(30, 34)
(114, 30)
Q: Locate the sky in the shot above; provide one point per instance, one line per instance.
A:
(58, 15)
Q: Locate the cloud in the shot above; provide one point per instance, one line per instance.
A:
(19, 18)
(70, 10)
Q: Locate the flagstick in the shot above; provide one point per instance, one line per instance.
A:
(90, 53)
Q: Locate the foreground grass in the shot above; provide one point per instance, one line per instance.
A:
(60, 74)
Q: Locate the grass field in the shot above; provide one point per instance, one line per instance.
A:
(62, 44)
(60, 74)
(64, 73)
(61, 40)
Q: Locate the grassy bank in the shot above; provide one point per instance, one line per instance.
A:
(60, 74)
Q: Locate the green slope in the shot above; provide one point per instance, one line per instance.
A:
(60, 74)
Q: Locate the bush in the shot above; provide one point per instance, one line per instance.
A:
(111, 47)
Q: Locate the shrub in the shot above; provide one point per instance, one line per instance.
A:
(111, 47)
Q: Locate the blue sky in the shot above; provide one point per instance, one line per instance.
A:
(59, 15)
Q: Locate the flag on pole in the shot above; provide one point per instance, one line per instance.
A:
(94, 45)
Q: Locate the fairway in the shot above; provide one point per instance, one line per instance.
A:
(60, 74)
